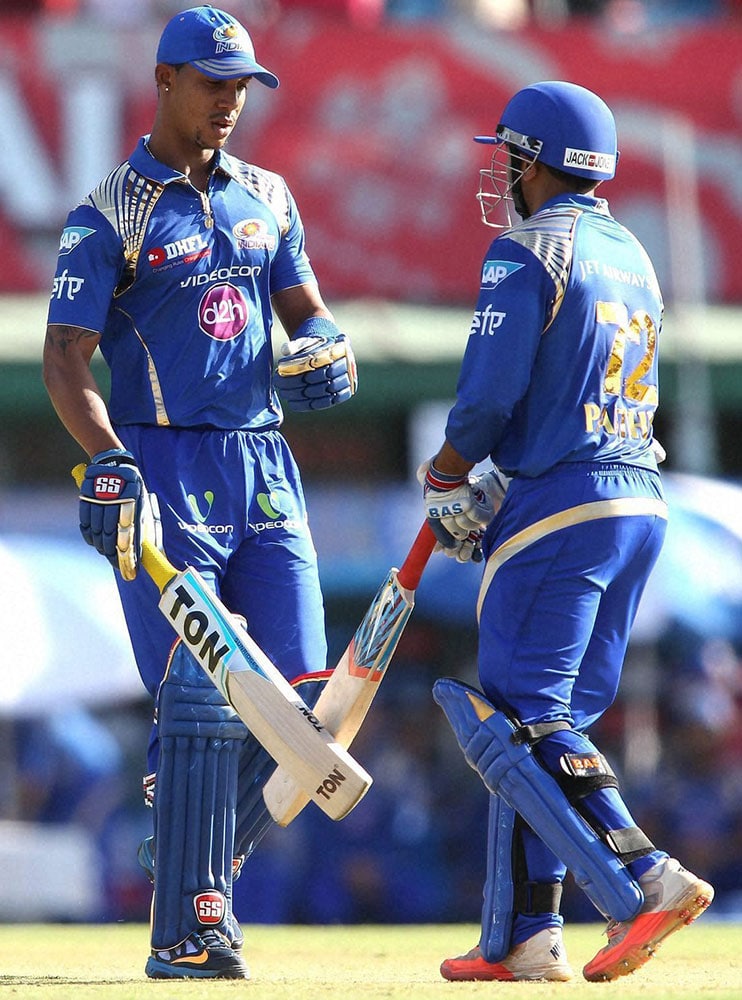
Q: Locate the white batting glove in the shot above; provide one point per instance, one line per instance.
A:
(455, 506)
(658, 451)
(468, 550)
(494, 483)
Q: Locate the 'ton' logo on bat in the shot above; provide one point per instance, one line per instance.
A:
(208, 641)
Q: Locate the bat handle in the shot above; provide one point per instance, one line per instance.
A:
(157, 565)
(412, 568)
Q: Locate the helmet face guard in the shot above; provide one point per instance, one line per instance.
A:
(560, 124)
(513, 154)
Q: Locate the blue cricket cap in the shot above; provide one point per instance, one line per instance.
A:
(214, 43)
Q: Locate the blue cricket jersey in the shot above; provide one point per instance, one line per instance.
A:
(178, 284)
(561, 362)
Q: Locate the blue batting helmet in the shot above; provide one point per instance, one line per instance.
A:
(563, 125)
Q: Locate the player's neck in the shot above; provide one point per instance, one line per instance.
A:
(193, 162)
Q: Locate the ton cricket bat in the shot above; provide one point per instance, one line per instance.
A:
(262, 697)
(352, 686)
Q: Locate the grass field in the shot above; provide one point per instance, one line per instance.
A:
(105, 962)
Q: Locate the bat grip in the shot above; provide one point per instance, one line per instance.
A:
(412, 568)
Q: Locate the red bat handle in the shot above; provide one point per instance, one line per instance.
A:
(413, 566)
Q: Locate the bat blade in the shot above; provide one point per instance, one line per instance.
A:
(272, 710)
(268, 705)
(346, 698)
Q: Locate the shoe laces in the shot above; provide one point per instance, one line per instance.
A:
(615, 931)
(213, 939)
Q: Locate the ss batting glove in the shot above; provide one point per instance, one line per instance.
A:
(317, 368)
(116, 511)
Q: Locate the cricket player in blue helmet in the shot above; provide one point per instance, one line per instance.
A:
(558, 388)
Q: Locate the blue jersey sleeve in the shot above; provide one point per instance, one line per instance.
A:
(514, 299)
(291, 265)
(90, 264)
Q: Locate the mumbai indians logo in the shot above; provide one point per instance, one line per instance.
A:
(230, 38)
(253, 234)
(496, 271)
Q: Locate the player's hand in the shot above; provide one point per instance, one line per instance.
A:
(457, 506)
(453, 506)
(494, 483)
(116, 511)
(317, 372)
(467, 550)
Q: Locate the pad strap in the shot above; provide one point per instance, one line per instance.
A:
(629, 844)
(532, 734)
(532, 898)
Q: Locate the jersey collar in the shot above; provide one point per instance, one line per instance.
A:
(599, 205)
(145, 163)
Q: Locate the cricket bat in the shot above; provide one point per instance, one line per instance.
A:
(262, 697)
(352, 686)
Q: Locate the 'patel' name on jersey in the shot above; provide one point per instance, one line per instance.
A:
(618, 421)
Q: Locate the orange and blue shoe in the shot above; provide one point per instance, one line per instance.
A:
(540, 957)
(202, 955)
(673, 898)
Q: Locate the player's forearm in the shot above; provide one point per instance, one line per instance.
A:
(450, 462)
(74, 392)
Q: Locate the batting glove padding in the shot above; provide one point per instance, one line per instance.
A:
(467, 550)
(317, 370)
(116, 512)
(455, 506)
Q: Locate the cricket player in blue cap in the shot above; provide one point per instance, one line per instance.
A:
(175, 267)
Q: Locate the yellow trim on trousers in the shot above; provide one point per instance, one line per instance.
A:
(619, 507)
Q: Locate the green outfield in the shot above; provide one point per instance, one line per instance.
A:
(78, 962)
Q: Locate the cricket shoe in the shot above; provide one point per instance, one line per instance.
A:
(673, 898)
(203, 955)
(146, 859)
(540, 957)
